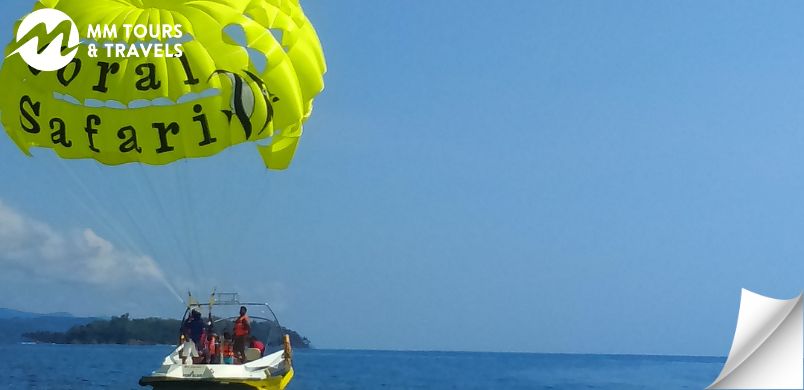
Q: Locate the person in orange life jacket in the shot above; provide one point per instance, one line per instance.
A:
(242, 329)
(256, 343)
(226, 349)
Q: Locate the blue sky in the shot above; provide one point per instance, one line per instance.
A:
(532, 176)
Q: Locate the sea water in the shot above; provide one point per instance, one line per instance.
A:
(120, 367)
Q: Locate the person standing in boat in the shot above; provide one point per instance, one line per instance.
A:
(242, 331)
(195, 325)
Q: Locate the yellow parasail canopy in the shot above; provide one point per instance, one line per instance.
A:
(227, 72)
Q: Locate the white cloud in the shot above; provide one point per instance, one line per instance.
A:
(79, 256)
(45, 268)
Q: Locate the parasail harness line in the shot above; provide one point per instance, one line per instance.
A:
(103, 216)
(211, 303)
(182, 247)
(186, 218)
(177, 249)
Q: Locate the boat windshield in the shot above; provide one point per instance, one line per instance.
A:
(220, 318)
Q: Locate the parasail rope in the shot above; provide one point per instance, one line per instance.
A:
(102, 215)
(181, 248)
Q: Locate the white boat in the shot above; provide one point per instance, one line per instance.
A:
(271, 372)
(768, 347)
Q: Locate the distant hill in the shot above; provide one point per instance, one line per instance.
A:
(14, 323)
(147, 331)
(11, 313)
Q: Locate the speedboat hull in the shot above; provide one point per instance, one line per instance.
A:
(160, 382)
(272, 372)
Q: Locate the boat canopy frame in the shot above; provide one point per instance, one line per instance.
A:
(228, 300)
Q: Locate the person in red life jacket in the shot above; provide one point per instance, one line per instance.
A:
(212, 349)
(255, 343)
(242, 330)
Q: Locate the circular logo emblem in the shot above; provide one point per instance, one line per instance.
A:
(41, 39)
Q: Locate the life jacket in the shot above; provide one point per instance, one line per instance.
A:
(211, 347)
(227, 350)
(241, 326)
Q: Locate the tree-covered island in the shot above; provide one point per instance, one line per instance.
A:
(153, 331)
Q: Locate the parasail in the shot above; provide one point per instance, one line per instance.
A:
(135, 97)
(156, 81)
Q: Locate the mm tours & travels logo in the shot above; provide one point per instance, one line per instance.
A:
(50, 26)
(48, 40)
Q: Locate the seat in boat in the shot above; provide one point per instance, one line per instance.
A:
(252, 354)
